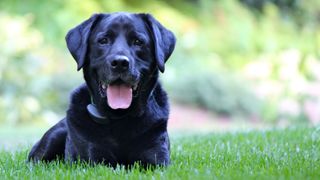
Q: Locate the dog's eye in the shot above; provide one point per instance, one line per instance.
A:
(104, 41)
(137, 42)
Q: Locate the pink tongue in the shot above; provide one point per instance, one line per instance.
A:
(119, 96)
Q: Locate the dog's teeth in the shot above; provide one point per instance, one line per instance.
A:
(135, 87)
(103, 86)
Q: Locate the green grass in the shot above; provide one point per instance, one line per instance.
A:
(276, 154)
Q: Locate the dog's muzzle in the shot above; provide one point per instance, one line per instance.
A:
(119, 85)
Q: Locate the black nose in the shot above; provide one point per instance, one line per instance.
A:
(120, 63)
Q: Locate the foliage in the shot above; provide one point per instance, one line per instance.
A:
(217, 91)
(275, 154)
(26, 73)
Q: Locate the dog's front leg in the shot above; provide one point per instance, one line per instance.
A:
(51, 145)
(154, 152)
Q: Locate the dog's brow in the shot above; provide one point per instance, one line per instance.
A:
(138, 34)
(101, 34)
(127, 26)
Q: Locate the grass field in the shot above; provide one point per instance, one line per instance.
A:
(292, 153)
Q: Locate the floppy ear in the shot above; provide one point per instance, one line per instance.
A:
(164, 40)
(77, 40)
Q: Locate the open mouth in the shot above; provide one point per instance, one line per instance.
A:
(119, 94)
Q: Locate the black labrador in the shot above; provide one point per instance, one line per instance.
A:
(119, 116)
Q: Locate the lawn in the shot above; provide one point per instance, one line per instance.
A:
(292, 153)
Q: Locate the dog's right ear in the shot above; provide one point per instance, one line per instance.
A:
(77, 39)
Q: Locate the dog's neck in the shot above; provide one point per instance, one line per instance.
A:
(96, 116)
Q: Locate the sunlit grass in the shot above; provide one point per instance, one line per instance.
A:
(276, 154)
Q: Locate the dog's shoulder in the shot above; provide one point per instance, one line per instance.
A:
(158, 106)
(80, 96)
(161, 96)
(79, 99)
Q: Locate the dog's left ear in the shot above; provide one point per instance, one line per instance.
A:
(164, 40)
(77, 40)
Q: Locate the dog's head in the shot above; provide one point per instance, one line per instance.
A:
(120, 54)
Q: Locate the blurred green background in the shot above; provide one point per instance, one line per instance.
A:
(251, 61)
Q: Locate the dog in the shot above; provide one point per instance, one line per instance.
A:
(119, 115)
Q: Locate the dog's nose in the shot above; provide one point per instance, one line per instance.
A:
(120, 63)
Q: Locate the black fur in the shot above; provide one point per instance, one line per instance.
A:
(136, 134)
